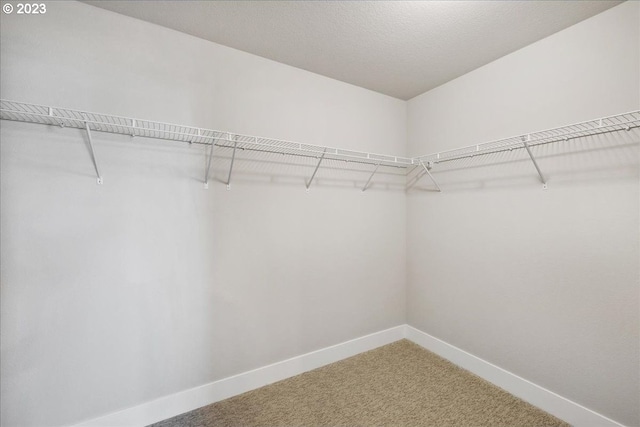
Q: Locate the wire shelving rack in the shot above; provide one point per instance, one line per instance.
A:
(615, 123)
(98, 122)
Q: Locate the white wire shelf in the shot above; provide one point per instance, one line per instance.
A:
(64, 117)
(32, 113)
(616, 123)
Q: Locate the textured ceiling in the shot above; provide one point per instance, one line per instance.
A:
(397, 48)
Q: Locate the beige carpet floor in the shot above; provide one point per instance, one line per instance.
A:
(400, 384)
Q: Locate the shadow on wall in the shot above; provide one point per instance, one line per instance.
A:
(605, 157)
(50, 150)
(54, 151)
(288, 170)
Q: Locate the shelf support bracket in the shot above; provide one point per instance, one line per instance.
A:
(426, 169)
(426, 172)
(370, 177)
(535, 163)
(93, 153)
(206, 173)
(316, 169)
(233, 158)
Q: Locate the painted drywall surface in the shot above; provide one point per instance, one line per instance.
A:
(148, 285)
(541, 283)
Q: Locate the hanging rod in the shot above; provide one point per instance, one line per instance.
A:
(64, 117)
(616, 123)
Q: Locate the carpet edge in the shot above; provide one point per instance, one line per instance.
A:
(187, 400)
(556, 405)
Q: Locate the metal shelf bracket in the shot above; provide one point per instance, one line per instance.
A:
(206, 173)
(426, 172)
(370, 177)
(233, 158)
(93, 153)
(533, 159)
(316, 169)
(426, 169)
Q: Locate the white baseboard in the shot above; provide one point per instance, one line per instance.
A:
(188, 400)
(571, 412)
(175, 404)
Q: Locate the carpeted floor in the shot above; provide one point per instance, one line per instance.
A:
(400, 384)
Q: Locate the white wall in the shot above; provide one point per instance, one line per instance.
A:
(148, 285)
(542, 283)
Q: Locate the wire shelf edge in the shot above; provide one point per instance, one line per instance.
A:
(614, 123)
(64, 117)
(89, 121)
